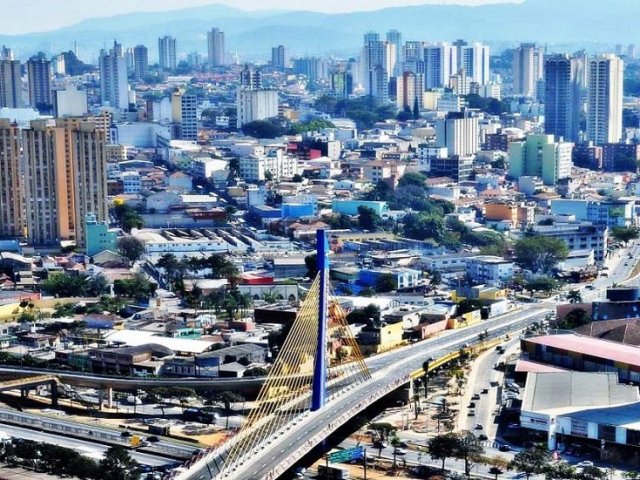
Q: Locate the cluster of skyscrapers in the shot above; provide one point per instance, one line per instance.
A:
(391, 69)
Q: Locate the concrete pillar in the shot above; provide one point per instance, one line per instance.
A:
(109, 397)
(100, 398)
(54, 393)
(551, 441)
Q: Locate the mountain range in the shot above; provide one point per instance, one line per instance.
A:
(563, 24)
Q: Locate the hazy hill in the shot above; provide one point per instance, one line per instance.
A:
(596, 23)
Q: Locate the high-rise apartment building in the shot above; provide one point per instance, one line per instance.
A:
(604, 100)
(409, 90)
(395, 38)
(341, 84)
(541, 156)
(65, 178)
(140, 62)
(313, 68)
(459, 132)
(250, 78)
(114, 88)
(10, 83)
(184, 107)
(167, 53)
(379, 62)
(12, 214)
(279, 57)
(474, 60)
(256, 105)
(562, 97)
(440, 62)
(39, 75)
(528, 66)
(216, 47)
(46, 185)
(129, 60)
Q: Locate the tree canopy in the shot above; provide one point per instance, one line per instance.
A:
(539, 253)
(81, 285)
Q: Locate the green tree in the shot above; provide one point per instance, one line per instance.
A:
(416, 109)
(385, 283)
(82, 285)
(531, 461)
(131, 248)
(468, 449)
(315, 125)
(625, 235)
(421, 226)
(574, 319)
(173, 268)
(395, 442)
(117, 464)
(363, 315)
(269, 128)
(574, 296)
(435, 278)
(591, 473)
(442, 447)
(227, 399)
(412, 178)
(135, 287)
(382, 429)
(368, 219)
(495, 471)
(558, 471)
(539, 253)
(541, 283)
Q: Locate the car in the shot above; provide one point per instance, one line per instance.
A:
(399, 451)
(482, 436)
(485, 390)
(585, 463)
(126, 433)
(478, 427)
(590, 287)
(513, 426)
(472, 404)
(504, 448)
(471, 413)
(476, 396)
(153, 439)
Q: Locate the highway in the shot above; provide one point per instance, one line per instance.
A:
(92, 449)
(389, 371)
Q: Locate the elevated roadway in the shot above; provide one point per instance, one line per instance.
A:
(389, 372)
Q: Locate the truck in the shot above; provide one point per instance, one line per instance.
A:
(197, 415)
(332, 473)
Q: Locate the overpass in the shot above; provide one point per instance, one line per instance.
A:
(389, 372)
(291, 417)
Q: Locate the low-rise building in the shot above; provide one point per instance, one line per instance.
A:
(489, 269)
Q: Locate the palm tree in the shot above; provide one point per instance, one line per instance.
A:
(436, 278)
(574, 296)
(495, 471)
(395, 443)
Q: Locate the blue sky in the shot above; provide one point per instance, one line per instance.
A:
(26, 16)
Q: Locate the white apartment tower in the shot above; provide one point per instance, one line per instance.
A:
(256, 105)
(604, 112)
(167, 52)
(114, 88)
(528, 67)
(216, 47)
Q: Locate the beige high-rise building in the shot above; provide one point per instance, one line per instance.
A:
(604, 100)
(12, 214)
(65, 178)
(90, 176)
(46, 183)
